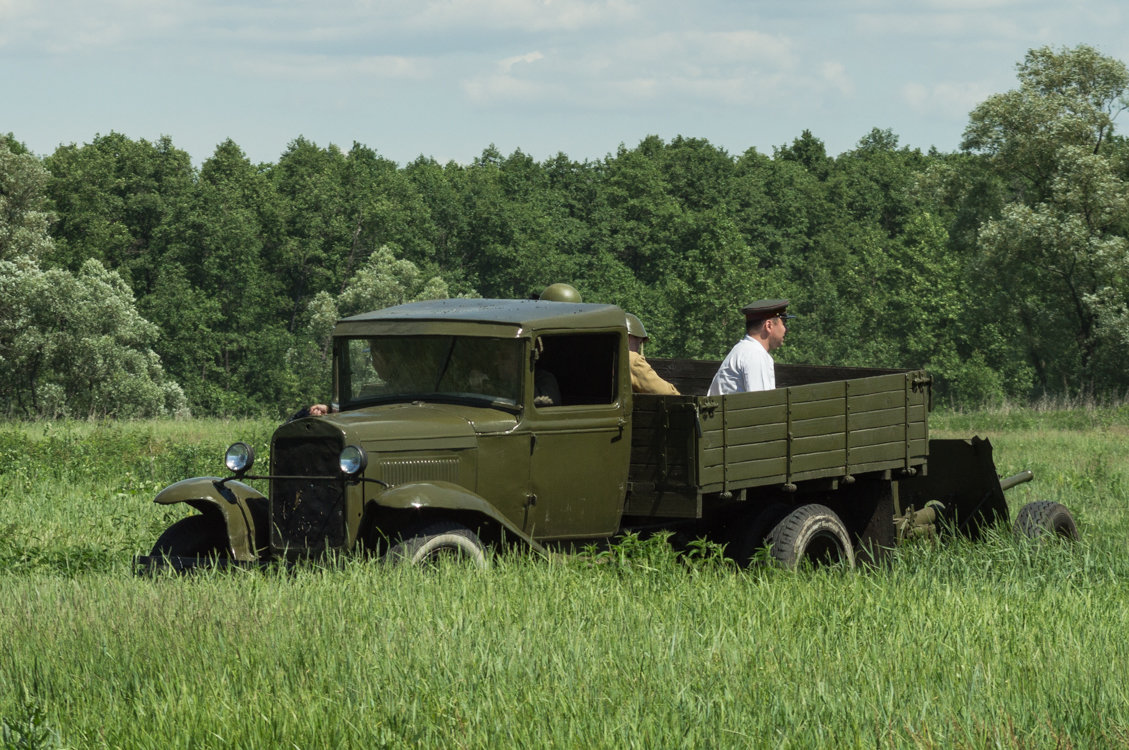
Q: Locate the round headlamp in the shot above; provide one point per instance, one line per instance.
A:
(239, 458)
(352, 460)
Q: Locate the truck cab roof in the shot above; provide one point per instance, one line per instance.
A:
(517, 315)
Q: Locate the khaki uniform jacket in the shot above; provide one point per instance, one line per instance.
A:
(644, 379)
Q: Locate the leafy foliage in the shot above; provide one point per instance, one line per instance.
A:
(71, 344)
(1001, 268)
(29, 729)
(1061, 239)
(24, 218)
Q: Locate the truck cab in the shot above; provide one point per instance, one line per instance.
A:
(508, 420)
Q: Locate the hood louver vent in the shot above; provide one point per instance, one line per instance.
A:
(404, 471)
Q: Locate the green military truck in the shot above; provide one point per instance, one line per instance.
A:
(465, 424)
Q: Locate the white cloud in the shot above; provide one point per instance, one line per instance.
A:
(322, 68)
(989, 23)
(732, 91)
(633, 90)
(505, 84)
(510, 62)
(733, 68)
(526, 15)
(835, 74)
(945, 98)
(501, 88)
(968, 25)
(965, 5)
(69, 27)
(571, 73)
(681, 49)
(743, 46)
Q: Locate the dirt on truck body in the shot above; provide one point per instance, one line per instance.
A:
(465, 424)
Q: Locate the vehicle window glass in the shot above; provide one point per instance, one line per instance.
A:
(443, 367)
(581, 366)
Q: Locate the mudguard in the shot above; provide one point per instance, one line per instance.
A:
(232, 499)
(448, 496)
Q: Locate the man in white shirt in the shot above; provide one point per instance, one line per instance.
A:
(749, 365)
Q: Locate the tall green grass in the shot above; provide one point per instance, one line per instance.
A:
(997, 644)
(77, 496)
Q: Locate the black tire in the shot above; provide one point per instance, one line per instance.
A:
(194, 536)
(1044, 518)
(436, 542)
(746, 533)
(813, 533)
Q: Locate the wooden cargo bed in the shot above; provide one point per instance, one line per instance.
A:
(821, 423)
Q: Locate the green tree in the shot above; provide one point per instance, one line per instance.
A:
(707, 285)
(216, 297)
(70, 344)
(511, 233)
(24, 214)
(84, 349)
(114, 197)
(638, 223)
(1059, 242)
(438, 188)
(383, 280)
(318, 238)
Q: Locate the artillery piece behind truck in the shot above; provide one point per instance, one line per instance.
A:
(464, 424)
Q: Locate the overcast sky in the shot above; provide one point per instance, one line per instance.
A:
(447, 78)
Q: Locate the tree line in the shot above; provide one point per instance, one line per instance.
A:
(135, 284)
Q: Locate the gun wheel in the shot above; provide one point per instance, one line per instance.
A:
(1044, 518)
(437, 543)
(811, 533)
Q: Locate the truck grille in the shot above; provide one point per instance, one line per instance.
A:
(307, 515)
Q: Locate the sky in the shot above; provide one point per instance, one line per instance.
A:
(447, 79)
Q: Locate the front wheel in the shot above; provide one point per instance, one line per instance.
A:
(437, 542)
(195, 536)
(813, 533)
(1044, 518)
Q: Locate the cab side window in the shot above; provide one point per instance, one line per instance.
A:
(584, 366)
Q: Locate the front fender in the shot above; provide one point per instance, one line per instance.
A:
(234, 501)
(447, 496)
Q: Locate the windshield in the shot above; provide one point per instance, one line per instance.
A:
(431, 367)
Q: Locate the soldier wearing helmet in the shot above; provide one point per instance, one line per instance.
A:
(560, 293)
(644, 379)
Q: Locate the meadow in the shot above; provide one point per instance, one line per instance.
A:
(1004, 643)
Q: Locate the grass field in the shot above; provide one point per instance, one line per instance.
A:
(999, 644)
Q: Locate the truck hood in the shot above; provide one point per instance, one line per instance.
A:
(398, 426)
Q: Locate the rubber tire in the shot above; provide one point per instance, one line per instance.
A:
(749, 530)
(813, 533)
(1045, 518)
(436, 541)
(194, 536)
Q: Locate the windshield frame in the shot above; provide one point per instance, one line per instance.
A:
(465, 369)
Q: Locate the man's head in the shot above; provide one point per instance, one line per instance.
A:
(766, 321)
(636, 334)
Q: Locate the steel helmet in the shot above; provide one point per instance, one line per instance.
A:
(560, 293)
(635, 327)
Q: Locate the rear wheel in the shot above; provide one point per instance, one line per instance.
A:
(438, 542)
(194, 536)
(745, 535)
(813, 533)
(1044, 518)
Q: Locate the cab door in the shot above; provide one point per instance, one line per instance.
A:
(580, 445)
